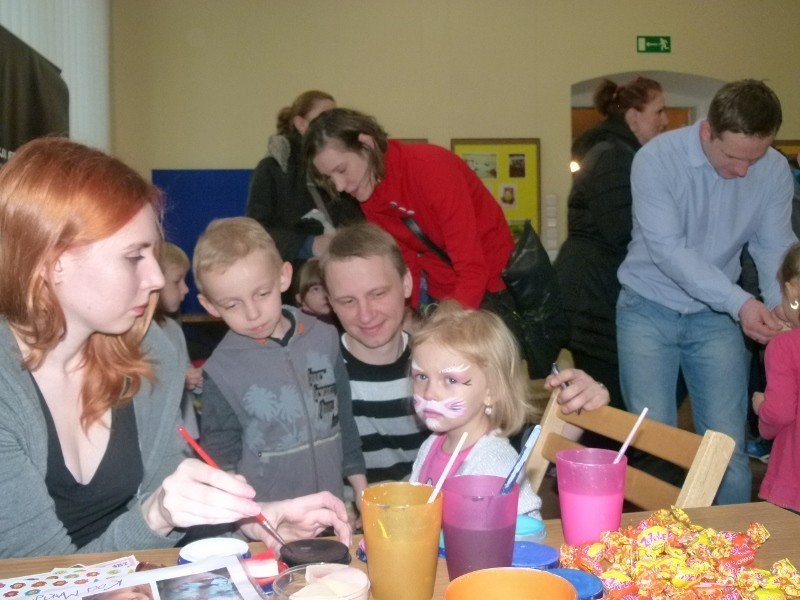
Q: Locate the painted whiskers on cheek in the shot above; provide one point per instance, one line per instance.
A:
(432, 412)
(436, 412)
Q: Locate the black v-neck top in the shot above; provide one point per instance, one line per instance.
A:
(86, 510)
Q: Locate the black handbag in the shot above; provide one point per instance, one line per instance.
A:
(542, 325)
(532, 307)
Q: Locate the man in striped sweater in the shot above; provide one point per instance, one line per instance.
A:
(368, 284)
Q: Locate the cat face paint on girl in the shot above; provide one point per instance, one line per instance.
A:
(450, 394)
(431, 411)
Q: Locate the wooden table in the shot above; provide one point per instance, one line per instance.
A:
(783, 526)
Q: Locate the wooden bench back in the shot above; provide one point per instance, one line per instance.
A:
(704, 457)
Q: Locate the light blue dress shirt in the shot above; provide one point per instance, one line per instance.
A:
(690, 224)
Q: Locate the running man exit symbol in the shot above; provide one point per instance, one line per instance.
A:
(654, 43)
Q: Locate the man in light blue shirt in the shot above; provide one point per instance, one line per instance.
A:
(699, 195)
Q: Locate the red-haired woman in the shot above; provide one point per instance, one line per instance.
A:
(90, 459)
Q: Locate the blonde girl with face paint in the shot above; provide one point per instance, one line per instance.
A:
(468, 377)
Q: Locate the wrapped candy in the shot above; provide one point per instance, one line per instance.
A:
(785, 570)
(652, 541)
(667, 556)
(686, 577)
(618, 585)
(752, 579)
(768, 595)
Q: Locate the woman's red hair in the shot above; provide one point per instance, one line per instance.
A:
(56, 195)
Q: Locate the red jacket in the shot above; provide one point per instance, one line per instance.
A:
(454, 209)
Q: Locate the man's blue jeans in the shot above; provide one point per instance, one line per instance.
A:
(654, 342)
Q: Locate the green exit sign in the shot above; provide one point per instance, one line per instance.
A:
(653, 43)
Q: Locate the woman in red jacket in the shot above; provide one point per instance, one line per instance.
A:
(395, 181)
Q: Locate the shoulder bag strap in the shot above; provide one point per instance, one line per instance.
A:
(415, 229)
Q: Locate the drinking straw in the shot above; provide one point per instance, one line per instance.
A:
(508, 484)
(211, 463)
(447, 467)
(628, 439)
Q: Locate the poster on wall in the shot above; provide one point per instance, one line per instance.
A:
(509, 168)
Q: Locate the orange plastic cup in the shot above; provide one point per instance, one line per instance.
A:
(509, 583)
(401, 532)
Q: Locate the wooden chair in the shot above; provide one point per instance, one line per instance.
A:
(705, 458)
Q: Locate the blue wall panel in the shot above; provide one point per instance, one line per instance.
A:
(193, 199)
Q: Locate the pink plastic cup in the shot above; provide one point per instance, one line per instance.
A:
(478, 523)
(590, 490)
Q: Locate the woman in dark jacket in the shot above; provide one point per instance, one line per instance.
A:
(298, 215)
(600, 221)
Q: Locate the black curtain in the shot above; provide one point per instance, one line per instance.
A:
(34, 100)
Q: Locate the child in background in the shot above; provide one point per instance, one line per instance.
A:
(468, 377)
(174, 265)
(777, 407)
(311, 296)
(276, 398)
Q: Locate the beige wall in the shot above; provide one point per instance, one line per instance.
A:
(197, 83)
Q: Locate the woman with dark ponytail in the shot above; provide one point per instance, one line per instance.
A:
(600, 221)
(298, 215)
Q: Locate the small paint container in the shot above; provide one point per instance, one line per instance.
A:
(264, 568)
(350, 583)
(315, 550)
(529, 529)
(588, 586)
(202, 549)
(530, 555)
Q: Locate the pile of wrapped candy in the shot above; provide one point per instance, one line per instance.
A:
(667, 556)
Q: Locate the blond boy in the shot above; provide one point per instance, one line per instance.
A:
(276, 399)
(174, 265)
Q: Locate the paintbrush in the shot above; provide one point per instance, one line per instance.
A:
(210, 462)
